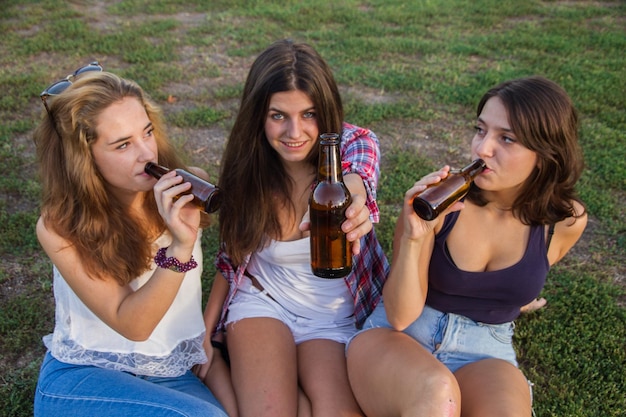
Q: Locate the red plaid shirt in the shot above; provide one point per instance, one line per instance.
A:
(360, 153)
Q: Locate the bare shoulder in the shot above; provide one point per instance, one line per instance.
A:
(199, 172)
(574, 225)
(567, 232)
(48, 238)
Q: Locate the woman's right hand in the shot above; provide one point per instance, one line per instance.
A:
(415, 227)
(181, 218)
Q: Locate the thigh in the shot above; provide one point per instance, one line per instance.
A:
(324, 379)
(493, 387)
(76, 390)
(263, 367)
(392, 374)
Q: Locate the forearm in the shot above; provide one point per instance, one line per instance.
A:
(355, 185)
(406, 287)
(217, 297)
(141, 311)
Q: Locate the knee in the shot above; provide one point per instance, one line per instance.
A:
(441, 395)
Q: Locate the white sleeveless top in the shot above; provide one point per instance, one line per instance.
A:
(284, 271)
(176, 344)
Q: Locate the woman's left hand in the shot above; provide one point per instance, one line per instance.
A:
(356, 225)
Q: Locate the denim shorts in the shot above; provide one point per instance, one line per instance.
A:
(453, 339)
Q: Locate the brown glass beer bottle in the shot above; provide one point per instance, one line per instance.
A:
(331, 253)
(437, 197)
(206, 195)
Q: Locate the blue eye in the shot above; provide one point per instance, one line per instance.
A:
(508, 139)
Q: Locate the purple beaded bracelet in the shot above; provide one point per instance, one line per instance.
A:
(172, 263)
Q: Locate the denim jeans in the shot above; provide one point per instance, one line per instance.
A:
(79, 390)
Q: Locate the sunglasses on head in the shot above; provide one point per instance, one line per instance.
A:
(60, 86)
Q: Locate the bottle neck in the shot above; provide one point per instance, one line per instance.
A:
(157, 171)
(329, 169)
(474, 169)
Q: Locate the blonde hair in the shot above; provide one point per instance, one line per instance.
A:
(76, 203)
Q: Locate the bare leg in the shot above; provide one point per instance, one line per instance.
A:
(534, 305)
(263, 367)
(219, 382)
(324, 378)
(493, 387)
(304, 405)
(392, 375)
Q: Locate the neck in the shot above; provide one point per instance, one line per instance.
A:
(301, 172)
(499, 201)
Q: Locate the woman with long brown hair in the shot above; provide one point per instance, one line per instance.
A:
(286, 328)
(440, 342)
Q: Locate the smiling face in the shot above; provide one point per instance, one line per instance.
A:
(291, 126)
(125, 142)
(509, 163)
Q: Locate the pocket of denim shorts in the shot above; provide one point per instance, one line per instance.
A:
(503, 333)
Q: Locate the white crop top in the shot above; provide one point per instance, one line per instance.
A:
(284, 270)
(176, 344)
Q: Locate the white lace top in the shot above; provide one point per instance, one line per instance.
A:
(80, 337)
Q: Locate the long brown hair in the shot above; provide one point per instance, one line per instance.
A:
(251, 171)
(76, 203)
(544, 120)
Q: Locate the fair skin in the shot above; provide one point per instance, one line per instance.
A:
(267, 378)
(396, 384)
(125, 142)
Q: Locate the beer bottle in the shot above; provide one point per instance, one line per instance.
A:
(331, 253)
(437, 197)
(206, 195)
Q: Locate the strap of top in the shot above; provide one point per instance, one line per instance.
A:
(550, 234)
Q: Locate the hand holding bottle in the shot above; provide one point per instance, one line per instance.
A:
(206, 196)
(415, 227)
(437, 197)
(181, 218)
(357, 224)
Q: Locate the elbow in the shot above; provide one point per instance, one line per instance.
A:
(401, 320)
(400, 325)
(138, 338)
(136, 335)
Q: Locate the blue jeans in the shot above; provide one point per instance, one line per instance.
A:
(454, 340)
(78, 390)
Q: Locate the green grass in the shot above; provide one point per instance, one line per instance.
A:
(411, 71)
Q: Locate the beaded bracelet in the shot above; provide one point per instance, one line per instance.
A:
(172, 263)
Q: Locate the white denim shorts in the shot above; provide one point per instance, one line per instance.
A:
(251, 302)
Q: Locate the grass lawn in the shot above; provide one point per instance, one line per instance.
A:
(412, 71)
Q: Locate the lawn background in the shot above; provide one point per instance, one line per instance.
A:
(412, 71)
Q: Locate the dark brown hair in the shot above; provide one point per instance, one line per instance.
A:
(544, 120)
(76, 203)
(251, 170)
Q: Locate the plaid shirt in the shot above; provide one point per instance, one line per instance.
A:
(360, 154)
